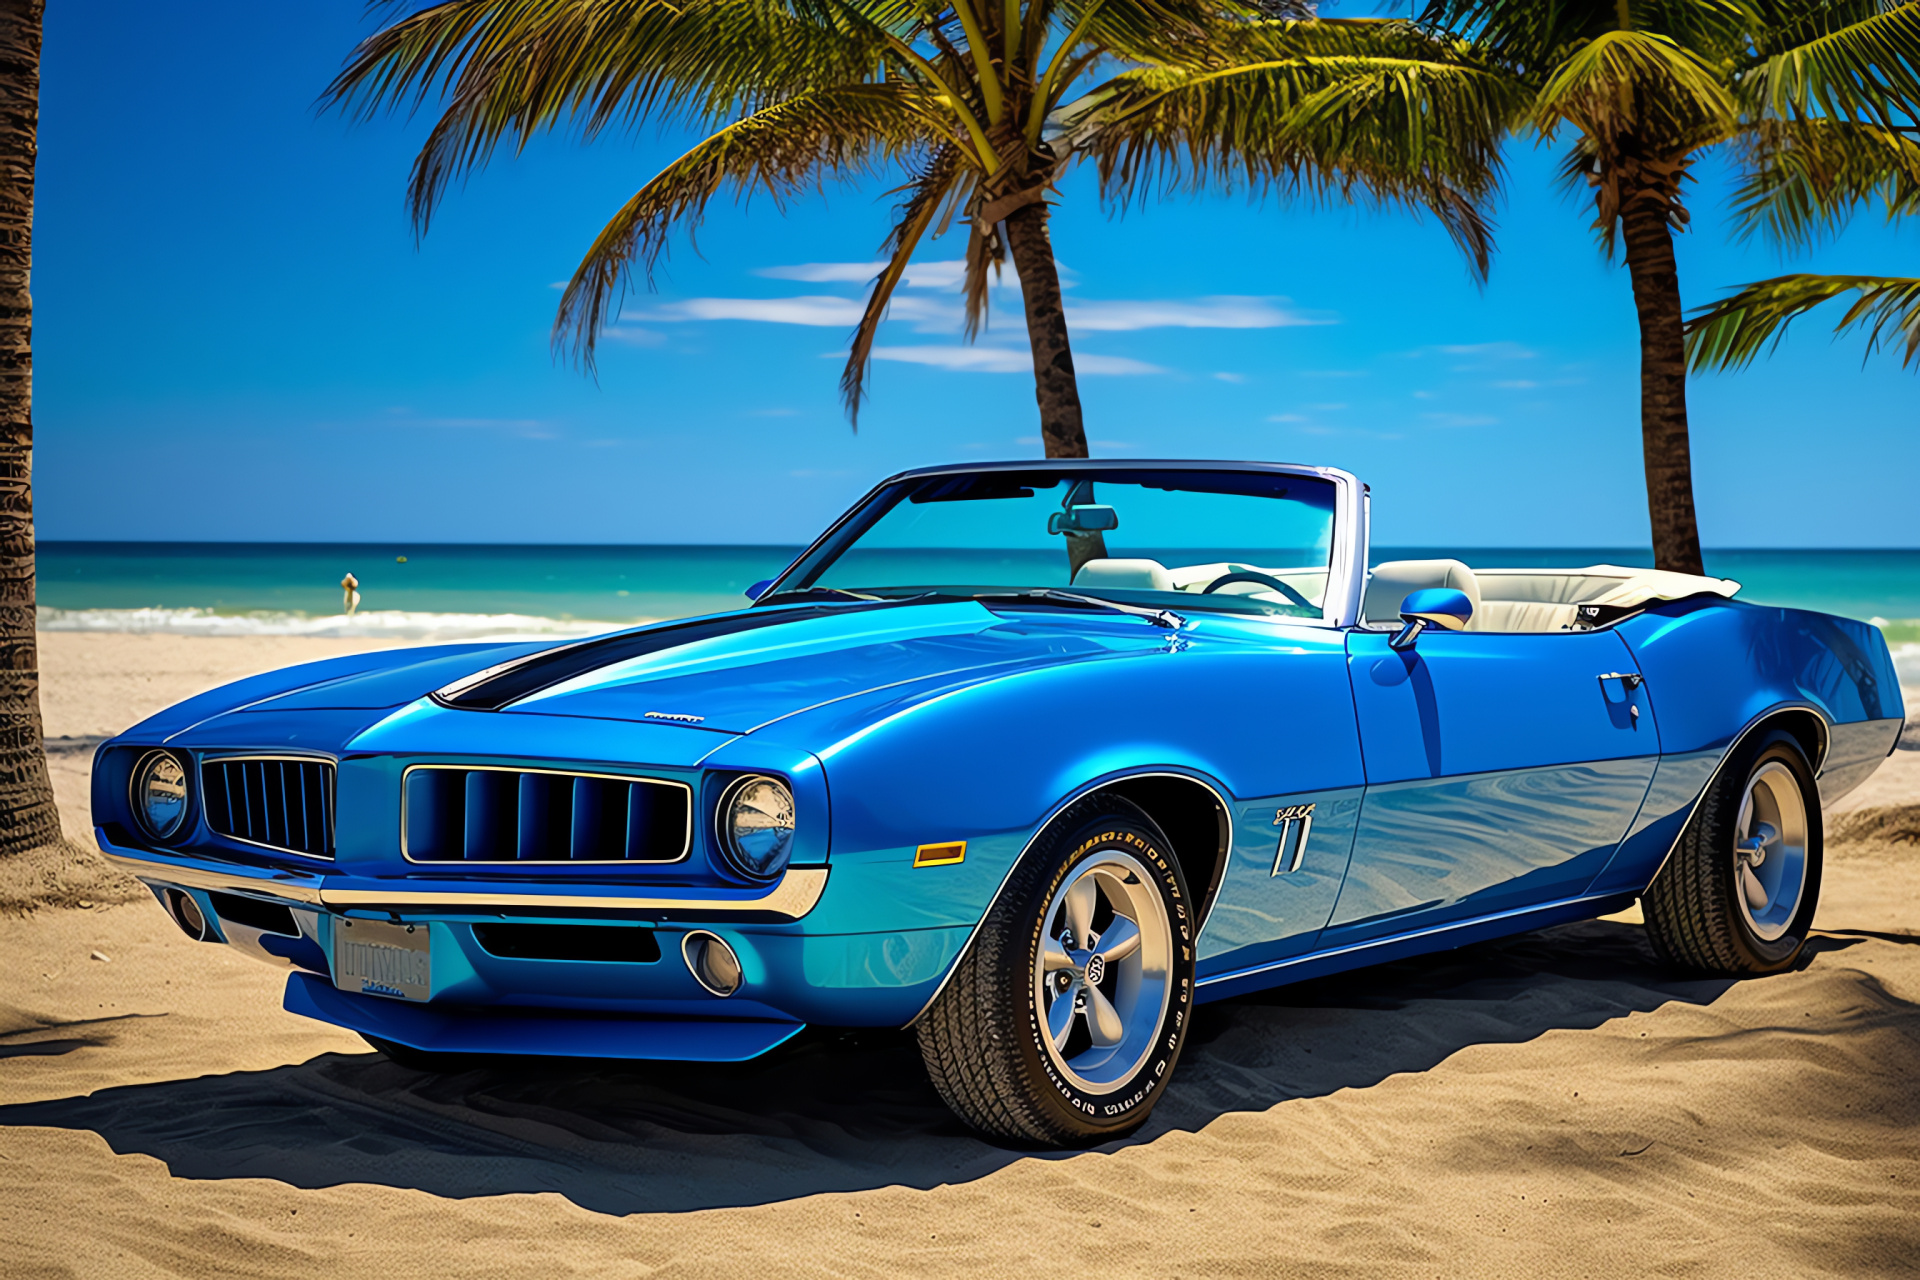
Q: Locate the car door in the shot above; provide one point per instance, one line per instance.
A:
(1502, 770)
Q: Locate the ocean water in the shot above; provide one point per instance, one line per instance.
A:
(430, 591)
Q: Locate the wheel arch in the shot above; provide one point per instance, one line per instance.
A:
(1804, 722)
(1198, 811)
(1195, 819)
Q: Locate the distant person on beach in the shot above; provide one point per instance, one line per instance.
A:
(350, 589)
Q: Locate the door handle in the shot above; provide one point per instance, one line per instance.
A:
(1629, 681)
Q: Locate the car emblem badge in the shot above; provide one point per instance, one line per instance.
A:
(1296, 824)
(1096, 970)
(678, 717)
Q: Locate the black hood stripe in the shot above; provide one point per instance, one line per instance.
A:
(502, 686)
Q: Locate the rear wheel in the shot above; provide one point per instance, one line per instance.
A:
(1738, 894)
(1064, 1021)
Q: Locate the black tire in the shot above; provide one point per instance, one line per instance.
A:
(983, 1040)
(1694, 918)
(420, 1059)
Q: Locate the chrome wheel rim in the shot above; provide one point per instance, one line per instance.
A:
(1102, 979)
(1770, 851)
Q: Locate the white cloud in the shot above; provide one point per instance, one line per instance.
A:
(1492, 350)
(1201, 313)
(920, 275)
(817, 310)
(1005, 360)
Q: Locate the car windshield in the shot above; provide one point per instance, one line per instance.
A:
(1241, 541)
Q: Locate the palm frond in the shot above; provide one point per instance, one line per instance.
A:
(928, 193)
(1733, 331)
(1379, 127)
(1866, 71)
(782, 150)
(1637, 83)
(1805, 178)
(512, 68)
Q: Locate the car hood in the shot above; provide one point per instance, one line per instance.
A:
(741, 680)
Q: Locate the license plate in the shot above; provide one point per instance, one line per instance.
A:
(372, 957)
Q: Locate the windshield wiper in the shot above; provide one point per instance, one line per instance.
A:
(815, 593)
(1047, 595)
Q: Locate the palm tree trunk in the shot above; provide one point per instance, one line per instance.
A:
(1054, 384)
(1665, 449)
(28, 818)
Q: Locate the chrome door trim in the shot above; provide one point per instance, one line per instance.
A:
(1396, 938)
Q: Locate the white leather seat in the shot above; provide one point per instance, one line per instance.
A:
(1139, 575)
(1392, 581)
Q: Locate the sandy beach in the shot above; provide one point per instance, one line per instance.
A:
(1556, 1104)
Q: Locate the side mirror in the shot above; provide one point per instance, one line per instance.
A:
(1441, 607)
(1090, 518)
(759, 588)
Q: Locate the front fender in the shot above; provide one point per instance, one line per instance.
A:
(989, 764)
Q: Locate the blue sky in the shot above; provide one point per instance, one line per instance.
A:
(237, 338)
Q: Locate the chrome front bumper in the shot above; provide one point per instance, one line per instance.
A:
(794, 895)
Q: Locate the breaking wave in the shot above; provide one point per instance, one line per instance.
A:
(375, 625)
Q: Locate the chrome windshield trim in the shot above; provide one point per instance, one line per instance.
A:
(1347, 558)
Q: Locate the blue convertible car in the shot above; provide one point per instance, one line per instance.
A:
(1029, 757)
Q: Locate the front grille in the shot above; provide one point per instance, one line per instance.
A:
(454, 814)
(281, 803)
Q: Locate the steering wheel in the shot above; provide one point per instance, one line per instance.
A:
(1264, 579)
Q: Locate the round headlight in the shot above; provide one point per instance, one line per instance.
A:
(756, 826)
(160, 794)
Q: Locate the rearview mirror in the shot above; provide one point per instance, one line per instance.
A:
(1089, 518)
(1441, 607)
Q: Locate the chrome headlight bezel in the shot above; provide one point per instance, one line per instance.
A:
(148, 770)
(754, 826)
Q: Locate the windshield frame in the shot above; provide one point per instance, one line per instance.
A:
(1346, 563)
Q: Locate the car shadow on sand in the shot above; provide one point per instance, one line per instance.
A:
(836, 1112)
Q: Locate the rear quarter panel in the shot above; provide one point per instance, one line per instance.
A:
(1713, 668)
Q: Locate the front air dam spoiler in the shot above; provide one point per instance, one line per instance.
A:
(441, 1029)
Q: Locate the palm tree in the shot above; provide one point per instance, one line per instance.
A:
(28, 818)
(966, 100)
(1643, 87)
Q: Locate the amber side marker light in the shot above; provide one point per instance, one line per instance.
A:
(940, 855)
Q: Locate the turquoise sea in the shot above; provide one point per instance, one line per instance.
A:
(439, 590)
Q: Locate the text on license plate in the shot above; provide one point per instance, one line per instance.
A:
(372, 957)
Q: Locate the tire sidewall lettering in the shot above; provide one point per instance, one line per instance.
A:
(1117, 1107)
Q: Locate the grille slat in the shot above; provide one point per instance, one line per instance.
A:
(455, 814)
(270, 802)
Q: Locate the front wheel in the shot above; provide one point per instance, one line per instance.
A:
(1063, 1023)
(1738, 893)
